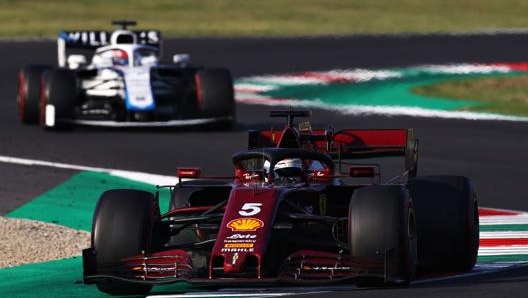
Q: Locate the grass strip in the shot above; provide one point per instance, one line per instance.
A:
(44, 18)
(506, 94)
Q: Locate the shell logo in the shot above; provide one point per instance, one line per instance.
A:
(245, 224)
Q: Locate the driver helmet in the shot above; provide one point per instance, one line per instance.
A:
(119, 58)
(289, 167)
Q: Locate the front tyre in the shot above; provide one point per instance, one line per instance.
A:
(382, 229)
(122, 227)
(59, 98)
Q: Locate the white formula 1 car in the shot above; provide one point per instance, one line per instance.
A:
(123, 85)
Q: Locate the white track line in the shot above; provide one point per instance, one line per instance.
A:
(153, 179)
(222, 295)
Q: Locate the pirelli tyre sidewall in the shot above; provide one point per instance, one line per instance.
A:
(59, 98)
(122, 227)
(29, 93)
(382, 229)
(448, 222)
(215, 92)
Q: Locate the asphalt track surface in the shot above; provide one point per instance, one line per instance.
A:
(492, 153)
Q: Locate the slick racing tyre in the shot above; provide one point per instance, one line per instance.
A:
(448, 222)
(59, 98)
(215, 93)
(122, 227)
(29, 89)
(382, 229)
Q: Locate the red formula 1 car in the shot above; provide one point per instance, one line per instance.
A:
(301, 207)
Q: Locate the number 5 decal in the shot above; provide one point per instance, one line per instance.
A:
(250, 209)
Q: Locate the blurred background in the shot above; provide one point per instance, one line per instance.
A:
(44, 18)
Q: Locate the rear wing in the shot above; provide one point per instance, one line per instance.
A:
(91, 40)
(345, 144)
(371, 143)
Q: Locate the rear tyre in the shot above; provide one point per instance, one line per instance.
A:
(448, 222)
(215, 95)
(59, 99)
(29, 89)
(122, 227)
(382, 227)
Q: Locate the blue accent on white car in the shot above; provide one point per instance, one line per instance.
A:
(138, 91)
